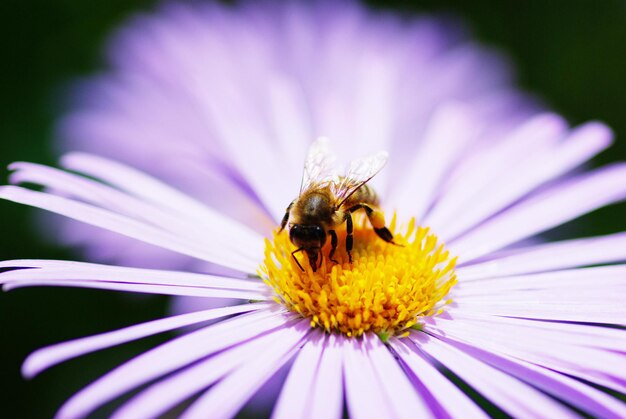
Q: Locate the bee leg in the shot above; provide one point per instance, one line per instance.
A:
(283, 223)
(377, 219)
(349, 238)
(293, 255)
(321, 258)
(333, 245)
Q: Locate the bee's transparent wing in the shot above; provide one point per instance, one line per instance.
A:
(320, 165)
(358, 174)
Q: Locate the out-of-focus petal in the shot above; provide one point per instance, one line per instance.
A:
(222, 103)
(450, 130)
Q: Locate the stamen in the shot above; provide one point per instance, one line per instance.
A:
(386, 289)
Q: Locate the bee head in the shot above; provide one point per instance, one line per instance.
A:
(307, 236)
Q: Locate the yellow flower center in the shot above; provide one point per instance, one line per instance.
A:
(385, 290)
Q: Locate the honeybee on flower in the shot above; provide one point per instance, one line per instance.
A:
(327, 200)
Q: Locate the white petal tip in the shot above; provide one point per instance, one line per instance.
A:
(598, 129)
(31, 366)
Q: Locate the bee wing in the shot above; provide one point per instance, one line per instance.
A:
(358, 174)
(319, 166)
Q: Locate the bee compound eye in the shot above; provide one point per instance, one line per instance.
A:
(295, 232)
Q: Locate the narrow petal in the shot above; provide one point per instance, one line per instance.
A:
(228, 396)
(549, 208)
(328, 389)
(73, 271)
(569, 282)
(168, 357)
(212, 229)
(152, 190)
(123, 225)
(450, 398)
(593, 336)
(364, 393)
(549, 257)
(538, 168)
(44, 358)
(482, 168)
(145, 289)
(449, 130)
(553, 308)
(592, 364)
(147, 208)
(585, 397)
(511, 395)
(168, 392)
(295, 397)
(404, 399)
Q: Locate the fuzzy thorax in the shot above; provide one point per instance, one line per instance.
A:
(385, 290)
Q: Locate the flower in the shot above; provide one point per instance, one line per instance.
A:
(396, 330)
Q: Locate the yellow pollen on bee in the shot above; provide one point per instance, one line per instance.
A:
(386, 289)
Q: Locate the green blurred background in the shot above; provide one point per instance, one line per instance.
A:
(572, 54)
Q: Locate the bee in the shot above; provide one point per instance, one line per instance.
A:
(327, 200)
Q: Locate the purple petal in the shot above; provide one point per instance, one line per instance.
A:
(505, 391)
(145, 289)
(226, 398)
(540, 348)
(404, 399)
(569, 283)
(235, 241)
(295, 398)
(168, 357)
(364, 392)
(328, 388)
(176, 388)
(46, 357)
(549, 256)
(572, 391)
(594, 336)
(120, 224)
(152, 190)
(454, 402)
(80, 271)
(449, 131)
(547, 209)
(477, 171)
(538, 167)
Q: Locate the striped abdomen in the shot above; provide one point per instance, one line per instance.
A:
(364, 195)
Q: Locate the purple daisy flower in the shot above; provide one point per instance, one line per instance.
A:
(214, 109)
